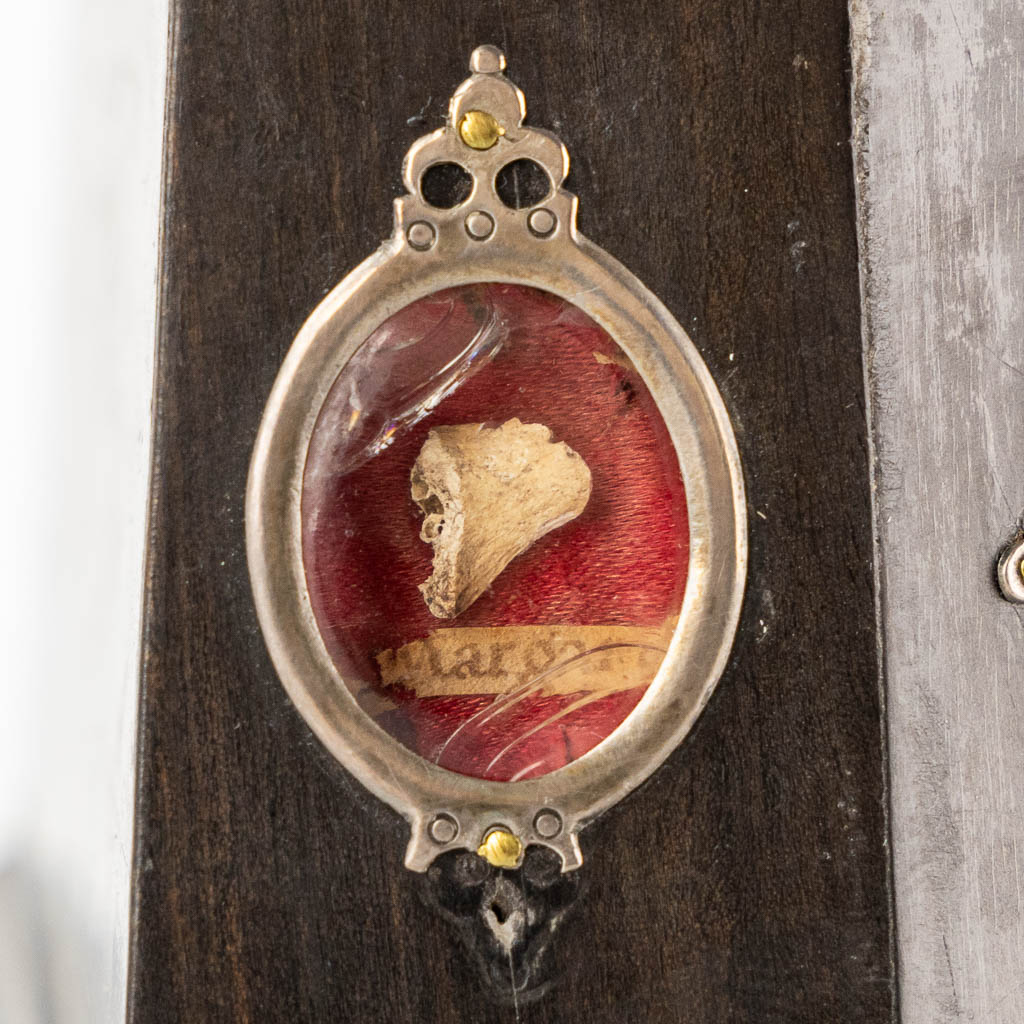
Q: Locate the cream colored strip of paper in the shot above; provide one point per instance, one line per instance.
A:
(544, 659)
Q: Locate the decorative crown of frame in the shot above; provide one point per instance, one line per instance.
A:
(483, 142)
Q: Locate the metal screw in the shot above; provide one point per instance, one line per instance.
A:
(547, 824)
(501, 849)
(1011, 571)
(479, 225)
(542, 222)
(479, 130)
(421, 235)
(443, 829)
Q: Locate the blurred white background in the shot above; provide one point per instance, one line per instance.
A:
(82, 88)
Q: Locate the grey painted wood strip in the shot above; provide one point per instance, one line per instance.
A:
(939, 114)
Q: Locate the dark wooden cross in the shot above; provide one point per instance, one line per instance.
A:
(749, 879)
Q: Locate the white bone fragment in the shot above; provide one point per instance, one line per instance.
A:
(487, 494)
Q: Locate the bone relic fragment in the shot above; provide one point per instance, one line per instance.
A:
(487, 494)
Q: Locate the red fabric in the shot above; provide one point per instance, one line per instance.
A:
(623, 561)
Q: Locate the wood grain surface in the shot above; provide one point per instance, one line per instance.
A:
(939, 90)
(748, 880)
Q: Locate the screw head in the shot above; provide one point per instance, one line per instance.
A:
(501, 849)
(547, 824)
(421, 235)
(542, 222)
(443, 829)
(479, 130)
(479, 225)
(1010, 571)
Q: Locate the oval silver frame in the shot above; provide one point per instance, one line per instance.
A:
(565, 263)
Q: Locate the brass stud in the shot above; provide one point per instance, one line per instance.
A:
(501, 849)
(479, 130)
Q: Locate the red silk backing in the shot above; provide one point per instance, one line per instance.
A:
(622, 561)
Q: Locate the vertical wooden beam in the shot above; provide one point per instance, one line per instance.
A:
(939, 95)
(747, 881)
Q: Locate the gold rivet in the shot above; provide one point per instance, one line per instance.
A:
(479, 130)
(501, 849)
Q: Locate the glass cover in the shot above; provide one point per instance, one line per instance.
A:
(494, 530)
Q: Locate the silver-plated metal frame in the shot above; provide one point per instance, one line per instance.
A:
(568, 265)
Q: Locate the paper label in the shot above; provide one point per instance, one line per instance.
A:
(541, 659)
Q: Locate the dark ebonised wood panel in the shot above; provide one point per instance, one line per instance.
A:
(748, 880)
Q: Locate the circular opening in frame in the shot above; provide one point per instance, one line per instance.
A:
(522, 184)
(446, 185)
(494, 529)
